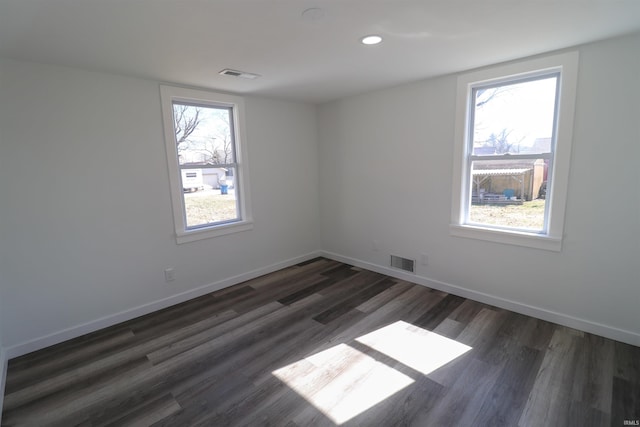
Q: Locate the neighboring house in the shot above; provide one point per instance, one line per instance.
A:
(214, 177)
(192, 179)
(207, 177)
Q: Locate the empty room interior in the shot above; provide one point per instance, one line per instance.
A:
(319, 213)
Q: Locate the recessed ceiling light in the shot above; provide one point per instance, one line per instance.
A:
(371, 39)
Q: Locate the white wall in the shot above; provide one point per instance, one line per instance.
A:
(3, 356)
(594, 281)
(86, 227)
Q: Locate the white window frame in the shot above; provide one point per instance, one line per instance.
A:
(171, 94)
(551, 237)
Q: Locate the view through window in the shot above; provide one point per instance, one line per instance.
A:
(207, 162)
(206, 158)
(511, 153)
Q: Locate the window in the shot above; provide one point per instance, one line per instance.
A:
(513, 141)
(206, 159)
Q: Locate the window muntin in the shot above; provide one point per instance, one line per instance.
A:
(203, 133)
(557, 158)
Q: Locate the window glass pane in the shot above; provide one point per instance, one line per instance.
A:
(514, 118)
(203, 134)
(509, 193)
(213, 200)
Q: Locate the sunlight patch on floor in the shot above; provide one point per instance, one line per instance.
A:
(415, 347)
(343, 382)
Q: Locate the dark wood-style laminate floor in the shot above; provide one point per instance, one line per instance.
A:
(324, 344)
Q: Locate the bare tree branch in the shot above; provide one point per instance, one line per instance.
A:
(489, 94)
(185, 124)
(500, 142)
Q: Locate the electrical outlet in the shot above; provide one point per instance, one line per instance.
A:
(424, 259)
(169, 274)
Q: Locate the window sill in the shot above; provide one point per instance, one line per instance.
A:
(530, 240)
(215, 231)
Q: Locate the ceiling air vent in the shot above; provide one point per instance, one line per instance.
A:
(236, 73)
(403, 263)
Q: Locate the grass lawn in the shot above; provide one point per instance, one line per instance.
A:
(528, 215)
(207, 206)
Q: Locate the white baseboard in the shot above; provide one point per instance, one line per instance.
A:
(3, 377)
(123, 316)
(584, 325)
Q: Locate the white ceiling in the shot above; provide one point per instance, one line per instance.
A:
(313, 60)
